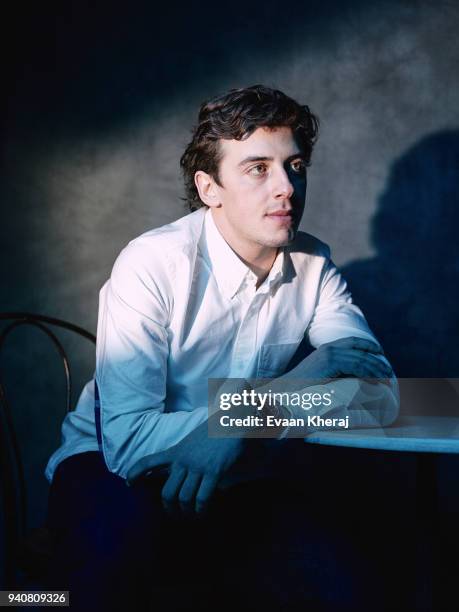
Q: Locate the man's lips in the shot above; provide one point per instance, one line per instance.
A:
(281, 215)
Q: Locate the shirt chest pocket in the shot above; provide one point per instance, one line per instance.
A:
(274, 358)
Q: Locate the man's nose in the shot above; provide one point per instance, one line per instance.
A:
(282, 186)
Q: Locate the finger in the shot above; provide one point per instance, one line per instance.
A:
(370, 346)
(363, 365)
(382, 376)
(146, 464)
(381, 366)
(169, 494)
(353, 342)
(206, 490)
(188, 492)
(371, 369)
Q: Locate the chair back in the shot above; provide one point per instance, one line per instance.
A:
(13, 489)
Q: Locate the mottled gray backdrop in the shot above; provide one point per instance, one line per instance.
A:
(100, 101)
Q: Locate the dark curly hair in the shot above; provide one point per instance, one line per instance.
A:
(235, 116)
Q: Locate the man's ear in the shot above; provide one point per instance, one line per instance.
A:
(207, 189)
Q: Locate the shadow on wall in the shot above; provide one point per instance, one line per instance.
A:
(409, 290)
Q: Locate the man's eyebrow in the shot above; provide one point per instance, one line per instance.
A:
(254, 158)
(261, 158)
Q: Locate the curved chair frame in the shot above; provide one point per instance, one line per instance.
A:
(12, 470)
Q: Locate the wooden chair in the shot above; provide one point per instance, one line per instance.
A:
(25, 552)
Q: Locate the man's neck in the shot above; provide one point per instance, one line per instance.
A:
(260, 260)
(261, 269)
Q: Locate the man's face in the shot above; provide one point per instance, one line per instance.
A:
(263, 190)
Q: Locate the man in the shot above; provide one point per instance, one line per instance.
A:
(228, 291)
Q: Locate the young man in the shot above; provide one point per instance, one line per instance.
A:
(228, 291)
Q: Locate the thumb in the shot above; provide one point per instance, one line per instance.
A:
(147, 464)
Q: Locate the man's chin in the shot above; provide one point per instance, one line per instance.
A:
(282, 239)
(289, 237)
(280, 243)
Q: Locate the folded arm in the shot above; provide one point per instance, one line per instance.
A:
(131, 370)
(346, 356)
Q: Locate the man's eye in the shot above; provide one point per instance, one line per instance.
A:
(258, 170)
(298, 166)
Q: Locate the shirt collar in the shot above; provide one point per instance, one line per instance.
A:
(230, 271)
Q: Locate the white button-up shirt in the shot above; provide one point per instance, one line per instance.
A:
(181, 307)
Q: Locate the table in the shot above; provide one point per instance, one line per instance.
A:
(427, 436)
(419, 434)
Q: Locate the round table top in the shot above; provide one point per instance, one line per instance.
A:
(429, 434)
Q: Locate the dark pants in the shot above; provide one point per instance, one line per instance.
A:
(270, 544)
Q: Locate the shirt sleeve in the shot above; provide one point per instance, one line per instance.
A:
(131, 362)
(336, 317)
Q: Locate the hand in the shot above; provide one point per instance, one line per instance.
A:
(196, 464)
(345, 357)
